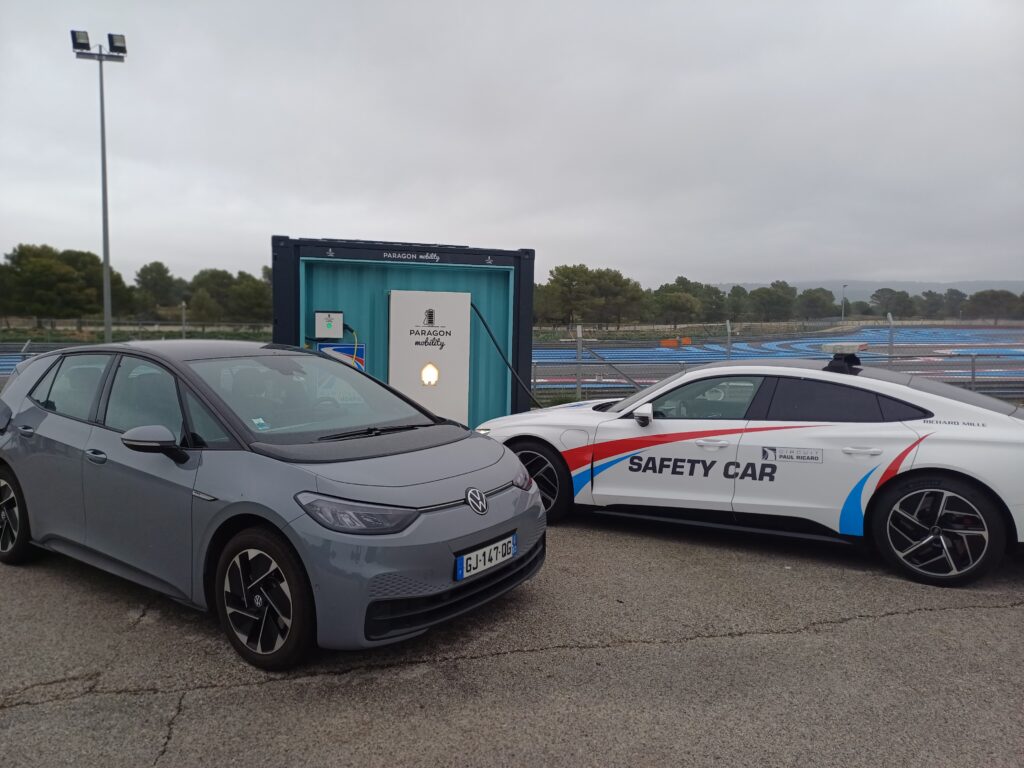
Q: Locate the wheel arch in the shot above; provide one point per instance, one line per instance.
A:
(873, 507)
(512, 442)
(225, 531)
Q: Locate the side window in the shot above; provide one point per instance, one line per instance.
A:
(896, 410)
(41, 391)
(206, 430)
(809, 400)
(73, 385)
(143, 394)
(722, 397)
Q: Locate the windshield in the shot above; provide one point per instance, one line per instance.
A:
(636, 397)
(292, 399)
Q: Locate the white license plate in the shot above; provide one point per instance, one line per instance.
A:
(481, 559)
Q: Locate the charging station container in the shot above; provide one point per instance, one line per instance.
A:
(431, 295)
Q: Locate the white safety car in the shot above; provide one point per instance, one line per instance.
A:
(931, 474)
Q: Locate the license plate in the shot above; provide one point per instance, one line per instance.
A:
(480, 560)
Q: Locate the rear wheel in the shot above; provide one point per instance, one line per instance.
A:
(938, 530)
(263, 600)
(548, 470)
(15, 539)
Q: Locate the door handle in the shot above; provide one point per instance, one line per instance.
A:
(855, 451)
(96, 457)
(711, 443)
(26, 430)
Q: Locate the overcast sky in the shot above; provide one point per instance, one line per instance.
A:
(727, 140)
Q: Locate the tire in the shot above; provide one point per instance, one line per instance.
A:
(938, 530)
(15, 536)
(548, 470)
(263, 600)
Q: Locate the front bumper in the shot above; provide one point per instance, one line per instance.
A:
(374, 590)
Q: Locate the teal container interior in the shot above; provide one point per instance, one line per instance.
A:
(360, 289)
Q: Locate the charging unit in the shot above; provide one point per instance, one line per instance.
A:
(449, 326)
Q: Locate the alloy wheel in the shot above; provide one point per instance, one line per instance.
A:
(9, 519)
(258, 601)
(543, 474)
(937, 533)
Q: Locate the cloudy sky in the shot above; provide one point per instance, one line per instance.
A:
(727, 140)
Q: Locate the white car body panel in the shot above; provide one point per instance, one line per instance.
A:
(825, 473)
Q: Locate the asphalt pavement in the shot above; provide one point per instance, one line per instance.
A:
(637, 644)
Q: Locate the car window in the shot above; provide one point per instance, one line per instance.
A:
(291, 399)
(897, 410)
(206, 430)
(722, 397)
(143, 394)
(70, 389)
(809, 400)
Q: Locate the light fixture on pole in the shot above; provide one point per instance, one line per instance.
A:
(117, 49)
(842, 304)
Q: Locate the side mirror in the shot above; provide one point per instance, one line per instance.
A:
(5, 416)
(643, 414)
(154, 439)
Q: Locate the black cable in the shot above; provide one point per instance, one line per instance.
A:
(504, 359)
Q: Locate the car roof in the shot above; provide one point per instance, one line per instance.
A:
(182, 350)
(880, 374)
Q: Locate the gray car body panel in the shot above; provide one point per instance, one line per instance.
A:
(149, 519)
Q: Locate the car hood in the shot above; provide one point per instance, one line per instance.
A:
(574, 414)
(424, 478)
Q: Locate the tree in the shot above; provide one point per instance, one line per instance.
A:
(860, 308)
(815, 303)
(157, 282)
(898, 303)
(204, 309)
(614, 296)
(42, 281)
(711, 298)
(572, 290)
(677, 306)
(954, 301)
(992, 303)
(774, 303)
(932, 304)
(249, 299)
(217, 284)
(736, 303)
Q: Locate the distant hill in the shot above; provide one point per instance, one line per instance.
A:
(861, 290)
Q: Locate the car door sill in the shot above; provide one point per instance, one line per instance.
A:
(673, 516)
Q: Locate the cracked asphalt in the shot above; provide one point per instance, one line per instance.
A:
(637, 643)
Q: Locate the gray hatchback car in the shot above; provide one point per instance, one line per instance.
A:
(302, 500)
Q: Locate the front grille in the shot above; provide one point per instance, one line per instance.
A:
(389, 618)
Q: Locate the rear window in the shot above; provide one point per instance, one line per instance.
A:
(810, 400)
(897, 410)
(961, 395)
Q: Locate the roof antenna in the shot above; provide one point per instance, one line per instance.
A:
(844, 357)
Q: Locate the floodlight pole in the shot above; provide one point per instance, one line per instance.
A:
(842, 306)
(107, 311)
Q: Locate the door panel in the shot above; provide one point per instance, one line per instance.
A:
(47, 457)
(685, 456)
(138, 505)
(827, 459)
(138, 508)
(668, 463)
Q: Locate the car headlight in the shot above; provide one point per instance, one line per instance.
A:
(482, 430)
(353, 517)
(522, 479)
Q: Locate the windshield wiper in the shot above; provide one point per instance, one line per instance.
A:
(370, 432)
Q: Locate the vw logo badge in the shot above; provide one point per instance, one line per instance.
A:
(476, 500)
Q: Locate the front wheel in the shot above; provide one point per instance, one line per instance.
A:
(549, 472)
(15, 539)
(938, 530)
(264, 601)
